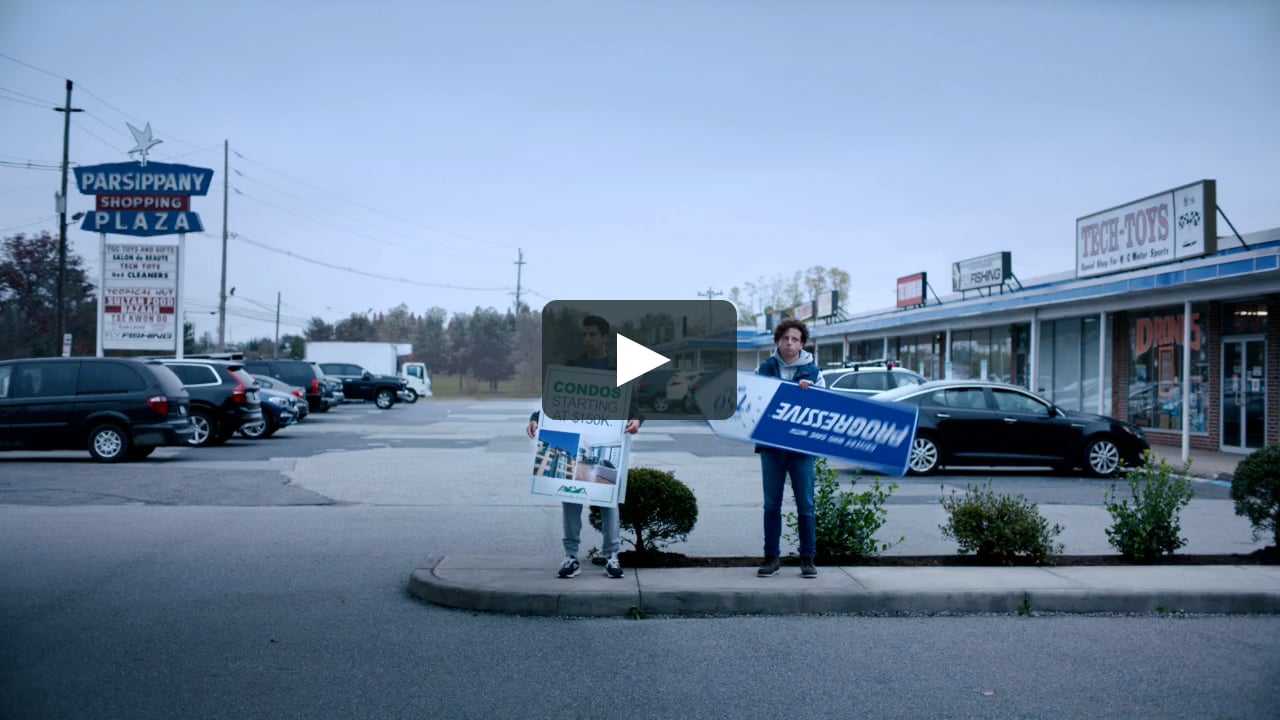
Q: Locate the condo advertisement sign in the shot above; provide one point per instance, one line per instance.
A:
(584, 457)
(1172, 225)
(140, 297)
(871, 435)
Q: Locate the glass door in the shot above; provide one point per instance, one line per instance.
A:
(1244, 393)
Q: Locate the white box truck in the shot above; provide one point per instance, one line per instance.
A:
(378, 358)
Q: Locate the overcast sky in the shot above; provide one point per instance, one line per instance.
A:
(650, 149)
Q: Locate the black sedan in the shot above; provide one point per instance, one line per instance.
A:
(965, 422)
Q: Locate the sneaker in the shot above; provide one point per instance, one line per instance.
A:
(807, 568)
(570, 568)
(613, 568)
(770, 567)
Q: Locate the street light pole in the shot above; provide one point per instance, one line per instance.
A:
(61, 324)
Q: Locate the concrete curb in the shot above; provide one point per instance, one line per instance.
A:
(527, 586)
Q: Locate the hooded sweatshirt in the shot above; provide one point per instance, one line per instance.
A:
(787, 371)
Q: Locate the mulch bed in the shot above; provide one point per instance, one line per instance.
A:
(1266, 556)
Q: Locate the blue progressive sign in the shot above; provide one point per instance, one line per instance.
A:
(872, 435)
(143, 200)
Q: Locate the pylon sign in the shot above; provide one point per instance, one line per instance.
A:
(143, 198)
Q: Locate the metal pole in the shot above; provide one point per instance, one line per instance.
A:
(275, 350)
(1186, 381)
(222, 292)
(102, 291)
(1103, 339)
(61, 323)
(1033, 354)
(178, 304)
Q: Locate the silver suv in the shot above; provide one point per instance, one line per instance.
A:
(870, 377)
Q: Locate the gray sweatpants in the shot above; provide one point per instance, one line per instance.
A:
(573, 528)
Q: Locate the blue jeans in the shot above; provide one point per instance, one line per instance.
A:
(609, 527)
(775, 466)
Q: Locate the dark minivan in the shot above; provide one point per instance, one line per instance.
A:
(116, 408)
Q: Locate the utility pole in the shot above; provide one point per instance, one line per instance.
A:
(61, 325)
(710, 295)
(222, 292)
(519, 266)
(275, 352)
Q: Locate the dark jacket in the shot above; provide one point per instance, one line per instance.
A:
(772, 367)
(608, 363)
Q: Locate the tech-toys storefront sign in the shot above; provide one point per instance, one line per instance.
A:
(1171, 225)
(143, 200)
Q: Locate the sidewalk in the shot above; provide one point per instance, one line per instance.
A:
(528, 586)
(1207, 465)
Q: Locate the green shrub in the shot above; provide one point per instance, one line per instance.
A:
(1146, 526)
(998, 526)
(846, 521)
(659, 509)
(1256, 491)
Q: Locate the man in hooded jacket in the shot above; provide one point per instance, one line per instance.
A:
(792, 363)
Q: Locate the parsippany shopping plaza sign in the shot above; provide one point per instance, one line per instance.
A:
(143, 198)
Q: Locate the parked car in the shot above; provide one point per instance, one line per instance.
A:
(651, 390)
(116, 408)
(334, 390)
(970, 422)
(224, 397)
(680, 390)
(360, 384)
(871, 377)
(278, 411)
(300, 406)
(300, 373)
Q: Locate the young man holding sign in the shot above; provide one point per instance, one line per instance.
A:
(791, 362)
(595, 341)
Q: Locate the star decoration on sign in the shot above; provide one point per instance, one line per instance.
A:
(144, 141)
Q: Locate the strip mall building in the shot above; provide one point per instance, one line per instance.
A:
(1108, 337)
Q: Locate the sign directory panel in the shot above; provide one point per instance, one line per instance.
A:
(981, 272)
(140, 297)
(1165, 227)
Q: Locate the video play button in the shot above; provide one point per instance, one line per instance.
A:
(635, 360)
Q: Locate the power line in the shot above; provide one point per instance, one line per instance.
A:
(40, 100)
(33, 67)
(95, 136)
(243, 194)
(37, 221)
(23, 102)
(354, 271)
(371, 209)
(28, 166)
(328, 208)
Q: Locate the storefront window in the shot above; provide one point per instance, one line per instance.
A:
(919, 353)
(830, 353)
(1155, 368)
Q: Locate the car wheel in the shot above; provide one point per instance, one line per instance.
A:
(1102, 457)
(205, 429)
(384, 399)
(256, 430)
(108, 443)
(411, 396)
(925, 455)
(141, 453)
(690, 406)
(661, 404)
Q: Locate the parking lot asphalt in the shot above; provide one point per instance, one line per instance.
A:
(452, 459)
